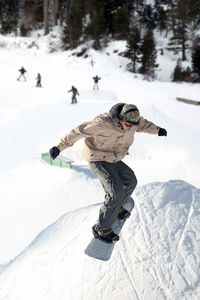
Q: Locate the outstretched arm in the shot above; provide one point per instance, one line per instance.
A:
(151, 128)
(85, 130)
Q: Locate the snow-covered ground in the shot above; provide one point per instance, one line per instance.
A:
(47, 212)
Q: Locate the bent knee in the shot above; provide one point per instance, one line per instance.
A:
(133, 182)
(118, 191)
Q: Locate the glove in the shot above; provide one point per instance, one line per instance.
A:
(54, 152)
(162, 132)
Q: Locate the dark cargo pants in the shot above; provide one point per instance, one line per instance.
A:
(119, 182)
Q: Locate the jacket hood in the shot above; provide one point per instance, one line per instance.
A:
(114, 112)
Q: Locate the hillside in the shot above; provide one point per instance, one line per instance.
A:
(156, 258)
(47, 212)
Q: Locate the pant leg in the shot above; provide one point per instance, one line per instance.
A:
(128, 178)
(117, 186)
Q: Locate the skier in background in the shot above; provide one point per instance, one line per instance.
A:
(22, 71)
(96, 80)
(74, 93)
(39, 78)
(107, 139)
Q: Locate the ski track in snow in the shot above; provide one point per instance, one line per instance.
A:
(127, 266)
(142, 266)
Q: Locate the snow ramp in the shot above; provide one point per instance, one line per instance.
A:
(157, 256)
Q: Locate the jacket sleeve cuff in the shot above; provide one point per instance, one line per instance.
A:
(61, 146)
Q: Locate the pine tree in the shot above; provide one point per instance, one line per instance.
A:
(194, 13)
(180, 74)
(161, 12)
(147, 16)
(96, 28)
(33, 13)
(130, 5)
(196, 59)
(8, 8)
(177, 73)
(186, 74)
(149, 55)
(9, 16)
(10, 24)
(73, 29)
(180, 21)
(121, 22)
(133, 47)
(110, 8)
(46, 17)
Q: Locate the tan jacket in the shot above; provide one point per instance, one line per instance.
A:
(105, 140)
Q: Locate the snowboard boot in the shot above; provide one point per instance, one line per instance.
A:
(124, 214)
(105, 235)
(95, 232)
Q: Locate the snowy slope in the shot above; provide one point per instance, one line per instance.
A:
(156, 258)
(47, 212)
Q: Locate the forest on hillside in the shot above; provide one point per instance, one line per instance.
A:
(100, 21)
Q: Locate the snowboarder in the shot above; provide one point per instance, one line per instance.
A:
(107, 139)
(96, 80)
(39, 78)
(74, 93)
(22, 71)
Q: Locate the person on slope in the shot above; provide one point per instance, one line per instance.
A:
(39, 78)
(96, 80)
(22, 74)
(74, 93)
(107, 139)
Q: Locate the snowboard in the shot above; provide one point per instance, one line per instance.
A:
(101, 250)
